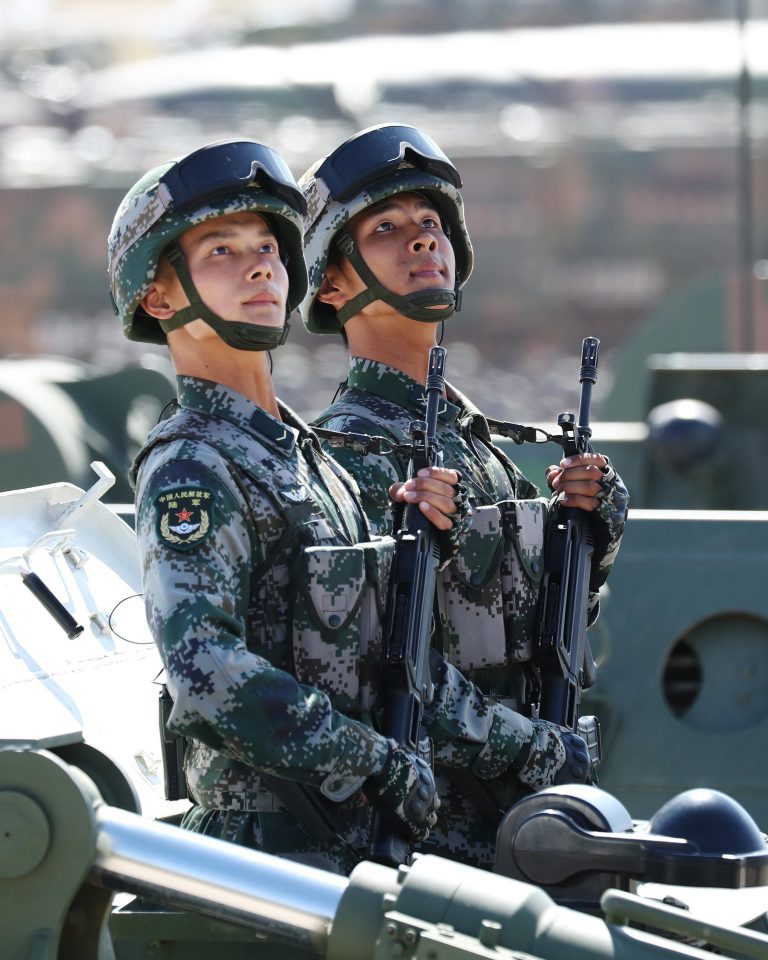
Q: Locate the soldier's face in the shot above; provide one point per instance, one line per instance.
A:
(403, 242)
(235, 265)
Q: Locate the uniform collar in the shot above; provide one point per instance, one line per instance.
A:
(219, 401)
(395, 386)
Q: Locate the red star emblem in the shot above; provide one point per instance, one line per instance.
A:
(184, 515)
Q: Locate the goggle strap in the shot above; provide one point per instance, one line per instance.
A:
(402, 144)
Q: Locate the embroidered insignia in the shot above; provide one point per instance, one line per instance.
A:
(296, 495)
(184, 516)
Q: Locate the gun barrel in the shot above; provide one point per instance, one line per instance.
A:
(589, 350)
(436, 370)
(288, 901)
(587, 378)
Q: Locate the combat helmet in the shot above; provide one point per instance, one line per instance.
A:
(229, 176)
(376, 163)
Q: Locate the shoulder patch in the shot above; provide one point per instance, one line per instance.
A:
(184, 516)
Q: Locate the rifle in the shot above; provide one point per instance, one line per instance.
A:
(562, 648)
(406, 679)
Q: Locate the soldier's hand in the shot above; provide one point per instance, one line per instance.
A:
(579, 480)
(435, 490)
(578, 766)
(404, 793)
(554, 756)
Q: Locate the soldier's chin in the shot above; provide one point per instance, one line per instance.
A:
(266, 318)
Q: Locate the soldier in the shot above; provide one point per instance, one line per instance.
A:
(262, 582)
(388, 254)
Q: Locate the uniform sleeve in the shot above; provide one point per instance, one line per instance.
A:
(610, 519)
(197, 555)
(460, 719)
(374, 473)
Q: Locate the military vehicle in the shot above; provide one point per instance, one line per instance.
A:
(66, 852)
(58, 414)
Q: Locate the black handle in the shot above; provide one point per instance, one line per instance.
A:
(52, 604)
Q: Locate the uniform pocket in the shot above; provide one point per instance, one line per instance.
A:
(471, 599)
(522, 566)
(338, 612)
(491, 589)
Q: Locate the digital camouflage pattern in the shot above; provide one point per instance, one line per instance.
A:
(487, 596)
(326, 217)
(142, 229)
(268, 624)
(220, 609)
(407, 787)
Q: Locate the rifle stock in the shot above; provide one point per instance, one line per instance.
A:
(563, 655)
(408, 621)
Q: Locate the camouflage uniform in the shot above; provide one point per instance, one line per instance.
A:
(487, 595)
(265, 593)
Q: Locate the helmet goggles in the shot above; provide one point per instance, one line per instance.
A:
(377, 151)
(225, 168)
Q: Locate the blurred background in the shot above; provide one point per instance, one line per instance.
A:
(612, 153)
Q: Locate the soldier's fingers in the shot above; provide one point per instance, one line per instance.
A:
(586, 472)
(584, 459)
(552, 471)
(396, 491)
(434, 516)
(426, 485)
(444, 504)
(580, 502)
(584, 488)
(445, 474)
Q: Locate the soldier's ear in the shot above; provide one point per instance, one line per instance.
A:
(334, 288)
(157, 302)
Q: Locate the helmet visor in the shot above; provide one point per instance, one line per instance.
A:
(228, 167)
(376, 151)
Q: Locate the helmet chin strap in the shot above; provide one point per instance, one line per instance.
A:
(241, 336)
(429, 306)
